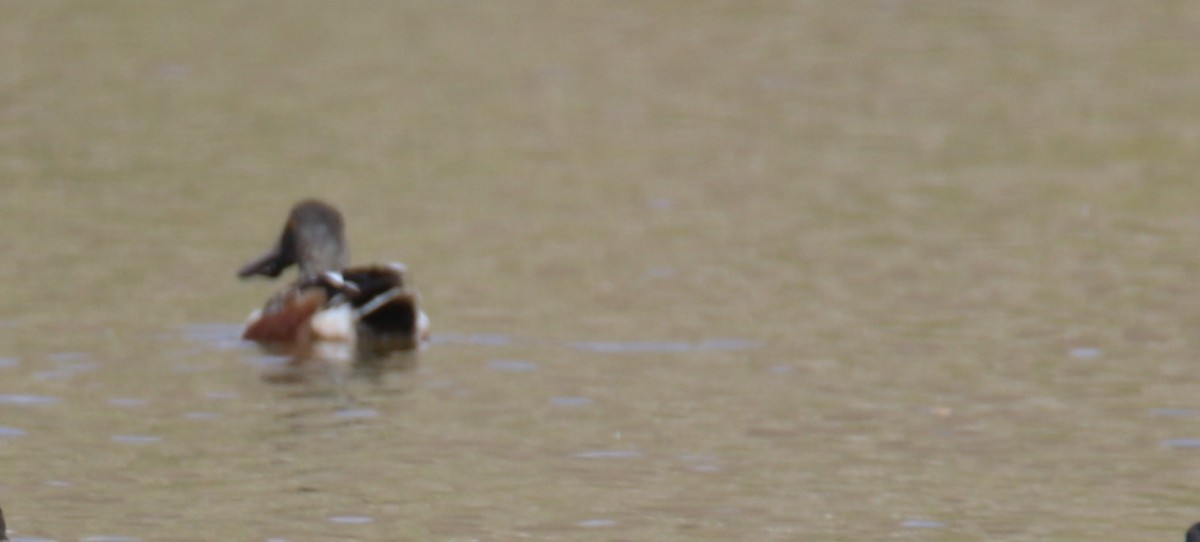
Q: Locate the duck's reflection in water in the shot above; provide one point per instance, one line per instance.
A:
(334, 370)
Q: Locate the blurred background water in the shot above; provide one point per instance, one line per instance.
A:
(697, 270)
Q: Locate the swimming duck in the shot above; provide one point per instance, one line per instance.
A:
(331, 310)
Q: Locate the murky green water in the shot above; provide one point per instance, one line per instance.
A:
(697, 270)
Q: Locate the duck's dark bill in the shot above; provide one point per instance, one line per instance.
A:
(270, 264)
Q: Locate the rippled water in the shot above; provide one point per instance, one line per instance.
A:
(697, 270)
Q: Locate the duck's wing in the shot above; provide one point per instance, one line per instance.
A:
(387, 311)
(286, 316)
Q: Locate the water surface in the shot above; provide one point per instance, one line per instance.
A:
(697, 270)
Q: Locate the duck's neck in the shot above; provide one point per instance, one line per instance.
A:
(321, 250)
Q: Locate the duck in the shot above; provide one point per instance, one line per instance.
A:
(331, 310)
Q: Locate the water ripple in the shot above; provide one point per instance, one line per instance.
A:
(136, 439)
(595, 523)
(635, 347)
(1182, 443)
(1084, 352)
(267, 361)
(922, 524)
(571, 401)
(203, 415)
(607, 454)
(21, 399)
(352, 520)
(1173, 412)
(11, 432)
(127, 401)
(663, 347)
(67, 370)
(483, 339)
(702, 462)
(512, 365)
(220, 395)
(68, 356)
(357, 413)
(220, 336)
(728, 344)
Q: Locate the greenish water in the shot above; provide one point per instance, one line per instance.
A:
(697, 270)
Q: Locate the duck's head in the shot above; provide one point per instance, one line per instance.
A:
(312, 239)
